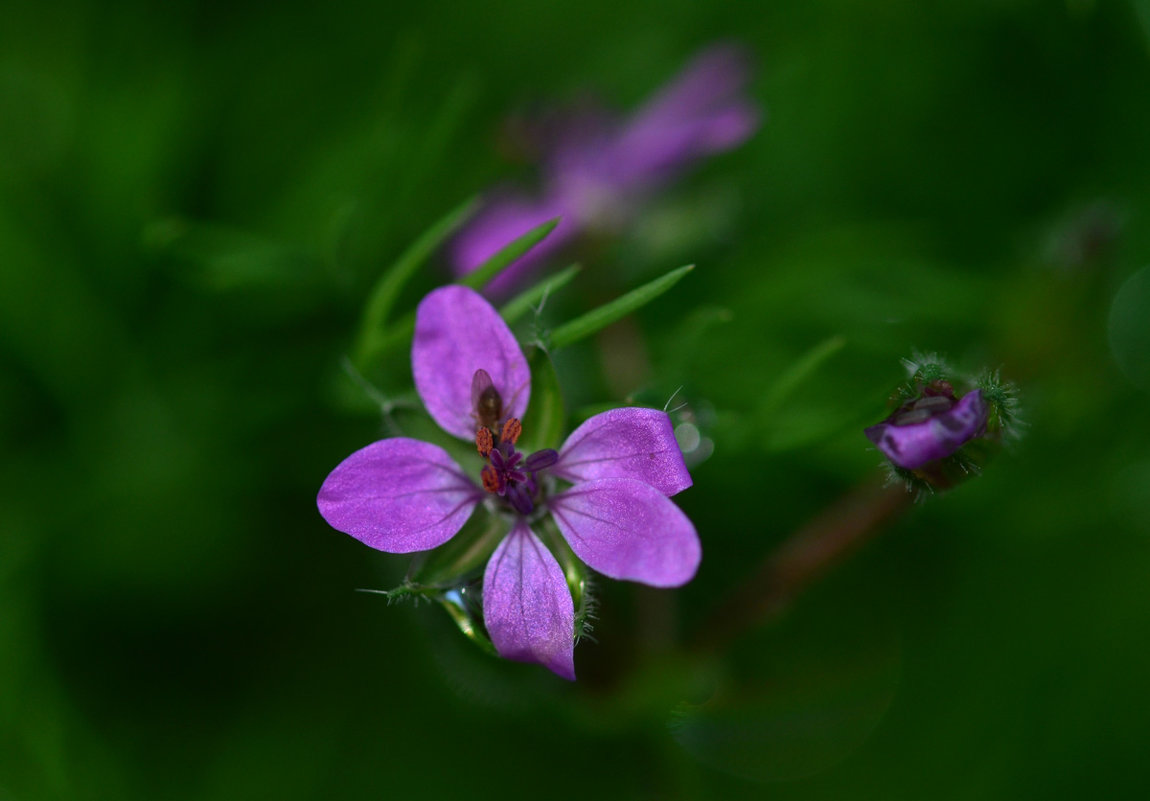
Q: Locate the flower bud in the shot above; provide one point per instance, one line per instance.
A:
(936, 436)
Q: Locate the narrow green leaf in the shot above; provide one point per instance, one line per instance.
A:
(387, 288)
(803, 428)
(794, 376)
(486, 272)
(525, 301)
(223, 259)
(788, 427)
(608, 313)
(400, 333)
(546, 415)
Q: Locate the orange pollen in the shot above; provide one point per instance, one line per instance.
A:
(490, 478)
(483, 441)
(511, 430)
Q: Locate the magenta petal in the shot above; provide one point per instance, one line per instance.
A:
(625, 443)
(398, 495)
(715, 77)
(527, 606)
(627, 529)
(702, 111)
(456, 333)
(916, 445)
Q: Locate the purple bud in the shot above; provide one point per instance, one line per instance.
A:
(929, 428)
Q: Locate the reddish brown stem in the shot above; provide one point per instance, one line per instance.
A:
(802, 559)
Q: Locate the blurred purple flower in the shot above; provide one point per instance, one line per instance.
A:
(931, 427)
(401, 495)
(596, 168)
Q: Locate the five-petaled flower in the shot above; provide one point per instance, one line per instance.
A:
(618, 470)
(595, 168)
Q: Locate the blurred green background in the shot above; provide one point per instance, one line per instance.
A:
(194, 201)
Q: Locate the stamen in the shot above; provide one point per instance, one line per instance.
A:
(484, 441)
(508, 473)
(541, 460)
(492, 482)
(511, 430)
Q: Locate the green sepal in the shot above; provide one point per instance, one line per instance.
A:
(587, 324)
(463, 555)
(373, 330)
(1002, 397)
(578, 577)
(487, 272)
(452, 575)
(525, 301)
(546, 416)
(464, 605)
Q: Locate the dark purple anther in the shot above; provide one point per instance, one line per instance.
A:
(541, 460)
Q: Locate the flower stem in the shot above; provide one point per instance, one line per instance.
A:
(802, 559)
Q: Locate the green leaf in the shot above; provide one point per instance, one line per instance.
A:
(589, 323)
(526, 301)
(486, 272)
(224, 259)
(546, 414)
(400, 333)
(792, 426)
(386, 290)
(794, 376)
(808, 426)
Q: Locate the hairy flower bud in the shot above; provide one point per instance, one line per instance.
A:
(936, 437)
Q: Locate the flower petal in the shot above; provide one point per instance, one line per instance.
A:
(456, 333)
(398, 495)
(501, 221)
(917, 444)
(527, 606)
(625, 443)
(701, 111)
(714, 78)
(627, 529)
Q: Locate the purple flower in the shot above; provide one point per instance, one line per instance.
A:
(597, 168)
(402, 495)
(931, 427)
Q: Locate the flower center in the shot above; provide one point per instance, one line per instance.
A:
(507, 473)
